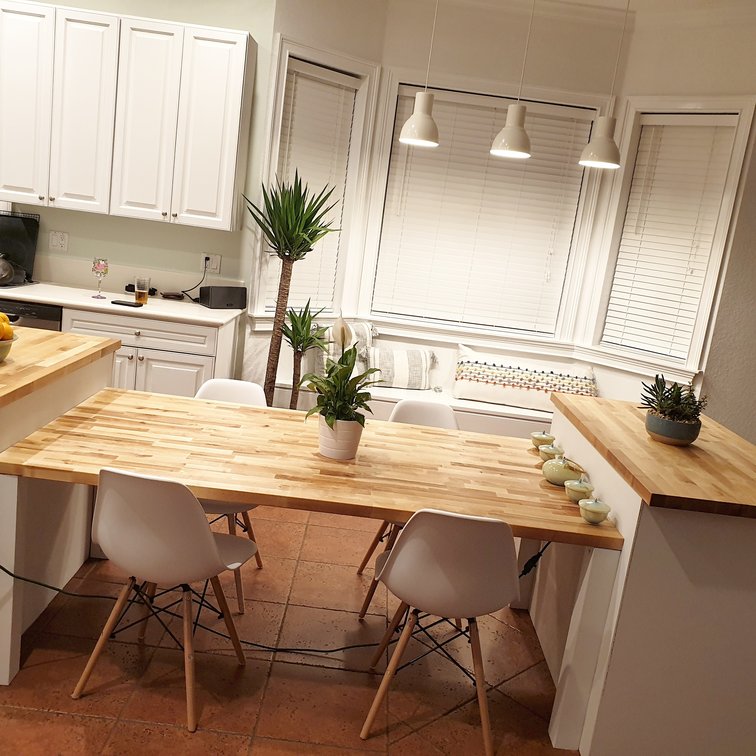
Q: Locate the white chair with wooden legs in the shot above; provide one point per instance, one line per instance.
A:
(447, 565)
(413, 412)
(239, 392)
(156, 531)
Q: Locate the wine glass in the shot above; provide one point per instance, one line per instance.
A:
(100, 269)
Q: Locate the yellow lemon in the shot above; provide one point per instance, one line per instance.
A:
(4, 318)
(6, 331)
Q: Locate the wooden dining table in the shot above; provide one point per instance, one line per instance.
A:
(270, 456)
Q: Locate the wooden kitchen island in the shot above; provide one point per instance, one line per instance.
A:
(44, 526)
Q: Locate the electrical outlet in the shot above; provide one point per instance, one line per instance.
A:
(58, 241)
(214, 263)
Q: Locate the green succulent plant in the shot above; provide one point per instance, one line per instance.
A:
(341, 395)
(673, 402)
(302, 334)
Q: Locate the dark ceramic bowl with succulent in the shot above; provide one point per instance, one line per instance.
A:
(674, 412)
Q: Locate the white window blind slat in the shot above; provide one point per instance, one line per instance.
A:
(473, 239)
(666, 243)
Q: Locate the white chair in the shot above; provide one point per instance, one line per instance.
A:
(156, 532)
(413, 412)
(447, 565)
(239, 392)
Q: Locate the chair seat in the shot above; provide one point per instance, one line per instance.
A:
(224, 507)
(234, 551)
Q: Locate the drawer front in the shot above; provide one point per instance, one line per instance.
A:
(186, 338)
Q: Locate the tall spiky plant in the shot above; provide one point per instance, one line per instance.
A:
(292, 220)
(303, 334)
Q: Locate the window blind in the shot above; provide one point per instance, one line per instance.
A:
(470, 238)
(316, 130)
(666, 242)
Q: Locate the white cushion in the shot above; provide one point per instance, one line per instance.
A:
(401, 368)
(363, 333)
(519, 382)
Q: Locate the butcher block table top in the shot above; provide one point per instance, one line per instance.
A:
(38, 357)
(716, 474)
(244, 454)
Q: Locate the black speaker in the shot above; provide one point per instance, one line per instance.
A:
(223, 297)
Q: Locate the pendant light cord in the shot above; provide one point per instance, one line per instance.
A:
(619, 50)
(527, 45)
(430, 51)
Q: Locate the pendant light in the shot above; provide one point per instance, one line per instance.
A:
(602, 151)
(513, 141)
(420, 129)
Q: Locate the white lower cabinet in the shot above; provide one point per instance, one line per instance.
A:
(191, 353)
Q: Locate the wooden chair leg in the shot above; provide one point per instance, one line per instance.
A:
(237, 573)
(251, 534)
(149, 594)
(395, 620)
(393, 664)
(104, 635)
(229, 620)
(480, 686)
(373, 546)
(191, 704)
(393, 533)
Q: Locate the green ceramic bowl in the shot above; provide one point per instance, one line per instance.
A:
(5, 347)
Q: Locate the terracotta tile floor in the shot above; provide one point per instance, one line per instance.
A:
(307, 595)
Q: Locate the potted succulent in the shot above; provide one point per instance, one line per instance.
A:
(674, 412)
(340, 397)
(292, 220)
(302, 334)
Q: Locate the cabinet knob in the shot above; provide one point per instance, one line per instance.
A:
(52, 199)
(41, 196)
(174, 215)
(165, 215)
(137, 333)
(131, 357)
(141, 358)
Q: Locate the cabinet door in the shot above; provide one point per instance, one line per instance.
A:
(83, 112)
(171, 373)
(149, 73)
(209, 122)
(26, 58)
(124, 368)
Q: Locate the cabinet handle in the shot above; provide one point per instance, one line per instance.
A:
(131, 357)
(52, 199)
(174, 215)
(137, 333)
(141, 358)
(165, 215)
(41, 196)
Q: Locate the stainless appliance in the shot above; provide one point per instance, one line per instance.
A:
(18, 246)
(32, 314)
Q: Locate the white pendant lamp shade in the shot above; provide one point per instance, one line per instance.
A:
(513, 141)
(601, 151)
(420, 129)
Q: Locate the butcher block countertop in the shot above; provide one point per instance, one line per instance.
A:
(716, 474)
(38, 357)
(270, 456)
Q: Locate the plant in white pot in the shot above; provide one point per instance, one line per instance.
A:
(674, 412)
(341, 396)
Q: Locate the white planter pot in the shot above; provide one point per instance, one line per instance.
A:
(341, 441)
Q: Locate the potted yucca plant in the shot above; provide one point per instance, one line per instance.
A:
(674, 412)
(292, 220)
(302, 334)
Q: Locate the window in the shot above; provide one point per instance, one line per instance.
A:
(472, 239)
(667, 250)
(315, 140)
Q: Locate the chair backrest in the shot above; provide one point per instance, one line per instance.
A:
(453, 565)
(418, 412)
(231, 390)
(154, 529)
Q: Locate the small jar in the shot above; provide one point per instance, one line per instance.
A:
(559, 469)
(549, 451)
(593, 511)
(578, 489)
(539, 438)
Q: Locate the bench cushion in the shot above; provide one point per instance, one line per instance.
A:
(401, 368)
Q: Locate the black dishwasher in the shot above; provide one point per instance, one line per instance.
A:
(32, 314)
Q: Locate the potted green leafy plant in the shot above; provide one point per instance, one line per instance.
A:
(340, 398)
(302, 334)
(292, 220)
(674, 412)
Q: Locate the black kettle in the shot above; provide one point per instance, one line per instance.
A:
(10, 273)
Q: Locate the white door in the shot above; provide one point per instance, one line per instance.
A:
(171, 372)
(124, 368)
(83, 113)
(26, 59)
(149, 74)
(209, 122)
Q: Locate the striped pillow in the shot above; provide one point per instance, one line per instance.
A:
(362, 337)
(402, 368)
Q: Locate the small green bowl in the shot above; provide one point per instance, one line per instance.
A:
(5, 347)
(549, 451)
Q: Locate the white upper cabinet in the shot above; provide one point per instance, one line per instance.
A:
(178, 123)
(56, 122)
(83, 111)
(26, 65)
